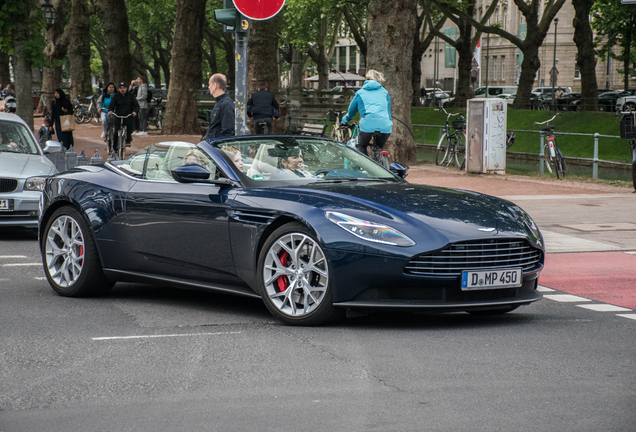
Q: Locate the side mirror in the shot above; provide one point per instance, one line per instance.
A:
(52, 147)
(399, 170)
(190, 173)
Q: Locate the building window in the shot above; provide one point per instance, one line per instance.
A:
(505, 19)
(352, 59)
(342, 65)
(494, 68)
(334, 60)
(503, 68)
(577, 71)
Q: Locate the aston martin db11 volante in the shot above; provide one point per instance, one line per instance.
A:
(309, 225)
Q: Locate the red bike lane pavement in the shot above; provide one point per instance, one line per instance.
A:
(608, 277)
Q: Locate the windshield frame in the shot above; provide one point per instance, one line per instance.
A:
(291, 140)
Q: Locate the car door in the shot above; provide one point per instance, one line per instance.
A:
(180, 229)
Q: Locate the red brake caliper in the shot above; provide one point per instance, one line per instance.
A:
(282, 281)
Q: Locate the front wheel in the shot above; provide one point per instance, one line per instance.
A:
(460, 149)
(121, 150)
(77, 115)
(71, 263)
(295, 278)
(442, 150)
(158, 120)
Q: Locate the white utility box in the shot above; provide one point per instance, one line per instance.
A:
(486, 135)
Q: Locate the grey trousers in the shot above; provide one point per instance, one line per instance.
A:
(143, 119)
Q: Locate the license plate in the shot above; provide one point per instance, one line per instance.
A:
(6, 205)
(491, 279)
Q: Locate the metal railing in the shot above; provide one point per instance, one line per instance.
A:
(594, 160)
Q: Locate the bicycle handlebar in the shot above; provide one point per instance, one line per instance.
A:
(448, 115)
(121, 117)
(547, 121)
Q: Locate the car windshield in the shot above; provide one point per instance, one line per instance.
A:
(15, 138)
(301, 160)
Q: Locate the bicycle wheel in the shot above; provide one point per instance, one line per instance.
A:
(158, 120)
(442, 150)
(384, 161)
(558, 167)
(121, 150)
(459, 140)
(547, 158)
(77, 115)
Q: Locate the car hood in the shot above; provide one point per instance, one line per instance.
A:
(17, 165)
(453, 213)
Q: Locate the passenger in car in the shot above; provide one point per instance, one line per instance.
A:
(195, 156)
(235, 154)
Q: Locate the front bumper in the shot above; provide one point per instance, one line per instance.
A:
(25, 211)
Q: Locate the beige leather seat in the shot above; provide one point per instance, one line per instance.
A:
(263, 164)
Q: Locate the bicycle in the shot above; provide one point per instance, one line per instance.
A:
(551, 153)
(339, 134)
(121, 138)
(79, 110)
(452, 146)
(156, 114)
(378, 154)
(92, 111)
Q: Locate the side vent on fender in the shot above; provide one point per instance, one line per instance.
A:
(252, 217)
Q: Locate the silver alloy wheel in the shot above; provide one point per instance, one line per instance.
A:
(295, 274)
(64, 251)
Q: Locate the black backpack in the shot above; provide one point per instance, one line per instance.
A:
(149, 97)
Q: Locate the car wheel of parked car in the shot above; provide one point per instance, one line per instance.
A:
(71, 262)
(294, 277)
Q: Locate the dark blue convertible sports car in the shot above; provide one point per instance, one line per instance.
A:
(307, 224)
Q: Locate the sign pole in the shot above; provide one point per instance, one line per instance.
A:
(240, 85)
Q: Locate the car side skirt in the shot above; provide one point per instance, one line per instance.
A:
(128, 276)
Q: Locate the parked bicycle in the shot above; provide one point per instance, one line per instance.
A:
(338, 133)
(628, 132)
(120, 151)
(79, 110)
(155, 116)
(91, 112)
(452, 144)
(551, 153)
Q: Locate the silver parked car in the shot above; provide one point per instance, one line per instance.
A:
(23, 171)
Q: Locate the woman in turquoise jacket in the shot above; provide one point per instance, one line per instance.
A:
(109, 92)
(373, 103)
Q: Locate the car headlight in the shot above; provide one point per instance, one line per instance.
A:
(35, 183)
(370, 231)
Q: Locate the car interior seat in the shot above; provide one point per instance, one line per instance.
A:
(263, 164)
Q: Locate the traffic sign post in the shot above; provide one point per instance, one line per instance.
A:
(234, 17)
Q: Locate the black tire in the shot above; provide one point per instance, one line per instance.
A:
(460, 149)
(279, 275)
(121, 142)
(158, 121)
(89, 279)
(442, 150)
(77, 115)
(558, 167)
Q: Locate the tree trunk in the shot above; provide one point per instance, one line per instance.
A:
(56, 49)
(627, 43)
(584, 40)
(80, 50)
(187, 55)
(261, 55)
(390, 35)
(464, 66)
(5, 76)
(22, 74)
(114, 18)
(529, 68)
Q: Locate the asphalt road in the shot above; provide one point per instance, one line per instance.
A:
(160, 359)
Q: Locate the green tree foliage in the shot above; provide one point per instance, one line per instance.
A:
(615, 25)
(23, 20)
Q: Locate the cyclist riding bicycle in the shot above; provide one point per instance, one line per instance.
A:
(123, 104)
(373, 103)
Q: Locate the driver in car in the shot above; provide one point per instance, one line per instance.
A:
(10, 146)
(293, 163)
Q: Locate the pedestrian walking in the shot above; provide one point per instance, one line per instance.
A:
(222, 116)
(262, 106)
(61, 106)
(142, 100)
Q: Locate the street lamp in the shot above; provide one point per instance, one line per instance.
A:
(49, 13)
(553, 74)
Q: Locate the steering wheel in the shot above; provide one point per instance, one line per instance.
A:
(322, 172)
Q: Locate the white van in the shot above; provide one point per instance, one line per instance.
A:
(543, 90)
(494, 91)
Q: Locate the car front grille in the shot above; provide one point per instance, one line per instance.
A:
(8, 185)
(479, 254)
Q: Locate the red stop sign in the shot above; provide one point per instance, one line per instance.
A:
(259, 9)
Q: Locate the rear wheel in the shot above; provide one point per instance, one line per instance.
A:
(71, 263)
(460, 149)
(295, 279)
(121, 142)
(442, 150)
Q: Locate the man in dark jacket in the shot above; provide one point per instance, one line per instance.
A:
(222, 117)
(262, 106)
(123, 104)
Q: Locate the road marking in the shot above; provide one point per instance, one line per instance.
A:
(22, 264)
(161, 336)
(604, 308)
(591, 227)
(633, 253)
(630, 316)
(566, 298)
(40, 278)
(541, 288)
(12, 256)
(557, 242)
